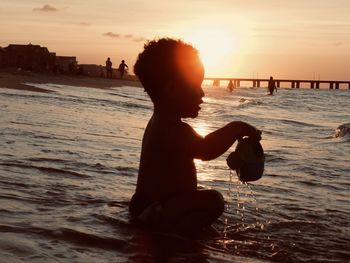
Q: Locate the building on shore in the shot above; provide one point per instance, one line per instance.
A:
(35, 58)
(66, 64)
(27, 57)
(92, 70)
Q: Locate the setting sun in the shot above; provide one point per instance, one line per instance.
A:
(214, 45)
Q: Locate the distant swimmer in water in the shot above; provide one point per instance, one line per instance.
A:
(230, 86)
(167, 197)
(271, 86)
(343, 130)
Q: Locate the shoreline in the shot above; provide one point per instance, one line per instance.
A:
(17, 80)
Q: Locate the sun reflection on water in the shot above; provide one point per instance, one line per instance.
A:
(201, 128)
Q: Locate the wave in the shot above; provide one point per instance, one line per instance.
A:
(47, 170)
(299, 123)
(74, 164)
(69, 235)
(26, 94)
(82, 166)
(243, 102)
(82, 99)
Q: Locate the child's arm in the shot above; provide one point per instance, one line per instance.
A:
(216, 143)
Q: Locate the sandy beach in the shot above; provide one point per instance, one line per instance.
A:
(22, 80)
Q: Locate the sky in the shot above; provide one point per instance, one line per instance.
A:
(296, 39)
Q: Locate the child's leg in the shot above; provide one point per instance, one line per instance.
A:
(192, 212)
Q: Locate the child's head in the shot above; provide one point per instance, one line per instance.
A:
(171, 73)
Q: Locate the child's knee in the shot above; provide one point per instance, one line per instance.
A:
(217, 203)
(221, 203)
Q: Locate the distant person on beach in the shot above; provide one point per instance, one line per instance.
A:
(109, 68)
(166, 196)
(272, 86)
(230, 86)
(122, 68)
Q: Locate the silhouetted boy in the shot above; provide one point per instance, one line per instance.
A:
(109, 68)
(166, 196)
(122, 68)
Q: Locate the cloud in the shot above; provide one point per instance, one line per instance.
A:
(46, 8)
(84, 24)
(337, 44)
(139, 39)
(111, 35)
(126, 36)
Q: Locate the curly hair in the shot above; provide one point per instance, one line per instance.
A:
(160, 62)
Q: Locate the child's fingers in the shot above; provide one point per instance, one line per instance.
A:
(257, 136)
(246, 129)
(254, 133)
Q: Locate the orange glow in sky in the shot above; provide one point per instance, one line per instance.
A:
(286, 39)
(213, 49)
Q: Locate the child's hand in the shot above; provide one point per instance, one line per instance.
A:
(243, 129)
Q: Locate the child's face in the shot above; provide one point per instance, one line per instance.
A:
(189, 93)
(183, 93)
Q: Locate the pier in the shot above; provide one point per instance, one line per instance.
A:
(292, 83)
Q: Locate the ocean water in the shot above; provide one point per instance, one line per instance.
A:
(69, 162)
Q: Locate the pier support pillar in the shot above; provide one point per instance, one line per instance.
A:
(258, 83)
(298, 85)
(330, 85)
(317, 85)
(293, 84)
(277, 84)
(312, 84)
(254, 83)
(337, 85)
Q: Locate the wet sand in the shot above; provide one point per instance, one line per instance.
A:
(18, 80)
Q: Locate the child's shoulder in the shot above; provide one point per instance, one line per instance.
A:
(163, 126)
(187, 131)
(185, 127)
